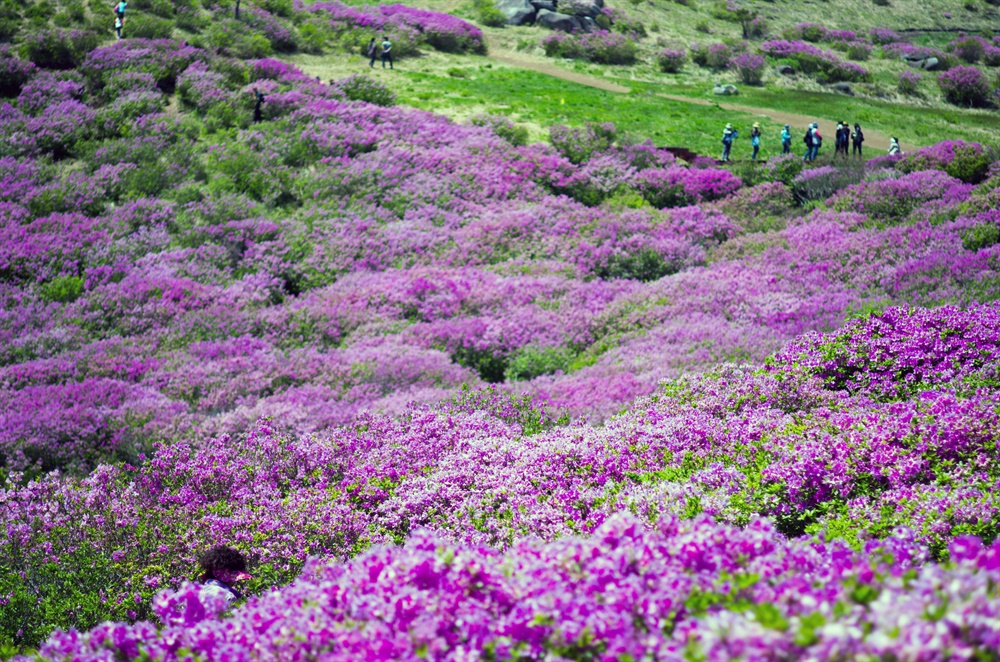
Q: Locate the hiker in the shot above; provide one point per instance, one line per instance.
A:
(755, 140)
(808, 140)
(372, 51)
(728, 136)
(120, 11)
(857, 138)
(118, 25)
(836, 138)
(817, 141)
(386, 51)
(257, 116)
(221, 568)
(786, 140)
(894, 147)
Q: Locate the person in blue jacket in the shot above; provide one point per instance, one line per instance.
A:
(786, 140)
(728, 136)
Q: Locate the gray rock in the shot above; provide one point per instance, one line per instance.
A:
(599, 3)
(518, 12)
(589, 25)
(725, 90)
(843, 88)
(931, 64)
(556, 21)
(543, 4)
(786, 70)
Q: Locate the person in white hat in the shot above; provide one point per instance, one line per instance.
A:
(728, 136)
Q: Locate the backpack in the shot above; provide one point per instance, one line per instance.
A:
(808, 140)
(727, 138)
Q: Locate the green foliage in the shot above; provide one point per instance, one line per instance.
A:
(502, 127)
(230, 37)
(970, 165)
(59, 49)
(367, 89)
(981, 236)
(644, 265)
(10, 19)
(64, 289)
(488, 14)
(147, 26)
(530, 362)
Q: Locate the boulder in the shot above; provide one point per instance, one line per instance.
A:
(843, 88)
(517, 12)
(556, 21)
(931, 64)
(725, 90)
(543, 4)
(589, 25)
(785, 70)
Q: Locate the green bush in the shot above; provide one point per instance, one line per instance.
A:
(981, 236)
(312, 38)
(970, 165)
(163, 8)
(502, 127)
(147, 26)
(230, 37)
(530, 362)
(488, 13)
(63, 289)
(59, 49)
(367, 89)
(645, 265)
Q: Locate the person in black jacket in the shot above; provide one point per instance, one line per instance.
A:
(857, 138)
(259, 99)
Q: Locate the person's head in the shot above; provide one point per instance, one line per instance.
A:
(787, 127)
(223, 563)
(756, 125)
(372, 40)
(857, 127)
(729, 126)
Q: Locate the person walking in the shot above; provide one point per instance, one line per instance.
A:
(221, 568)
(118, 25)
(858, 139)
(786, 140)
(372, 51)
(894, 146)
(817, 141)
(808, 140)
(259, 100)
(386, 51)
(837, 144)
(120, 11)
(755, 140)
(728, 136)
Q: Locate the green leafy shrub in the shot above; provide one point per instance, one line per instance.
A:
(530, 362)
(970, 165)
(503, 127)
(365, 88)
(981, 236)
(488, 14)
(59, 49)
(644, 265)
(64, 289)
(147, 26)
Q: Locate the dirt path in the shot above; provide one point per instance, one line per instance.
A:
(876, 141)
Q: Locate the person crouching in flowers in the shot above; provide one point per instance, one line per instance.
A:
(221, 568)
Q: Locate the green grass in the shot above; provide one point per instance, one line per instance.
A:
(541, 100)
(913, 125)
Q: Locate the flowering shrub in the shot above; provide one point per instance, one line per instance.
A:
(883, 36)
(678, 186)
(671, 60)
(858, 50)
(357, 87)
(991, 56)
(14, 73)
(578, 145)
(601, 46)
(969, 49)
(909, 82)
(749, 68)
(811, 59)
(965, 86)
(894, 199)
(503, 127)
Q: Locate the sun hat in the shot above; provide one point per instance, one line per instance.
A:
(756, 125)
(729, 126)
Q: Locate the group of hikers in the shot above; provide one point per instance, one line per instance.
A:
(845, 137)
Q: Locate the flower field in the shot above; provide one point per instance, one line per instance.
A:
(458, 397)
